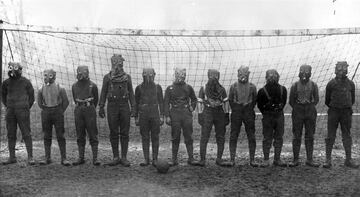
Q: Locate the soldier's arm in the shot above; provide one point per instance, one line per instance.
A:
(167, 102)
(328, 94)
(4, 92)
(261, 100)
(40, 99)
(137, 100)
(231, 96)
(95, 93)
(30, 92)
(316, 94)
(192, 97)
(64, 98)
(160, 99)
(284, 97)
(352, 91)
(254, 96)
(292, 96)
(73, 92)
(104, 90)
(131, 94)
(202, 93)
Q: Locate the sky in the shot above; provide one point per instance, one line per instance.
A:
(186, 14)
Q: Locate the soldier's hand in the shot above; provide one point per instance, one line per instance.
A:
(161, 120)
(137, 123)
(168, 120)
(102, 112)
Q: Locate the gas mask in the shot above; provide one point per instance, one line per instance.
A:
(82, 73)
(148, 75)
(243, 74)
(180, 75)
(15, 70)
(305, 73)
(117, 63)
(341, 69)
(214, 76)
(49, 76)
(272, 76)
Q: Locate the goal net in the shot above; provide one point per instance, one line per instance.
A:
(39, 48)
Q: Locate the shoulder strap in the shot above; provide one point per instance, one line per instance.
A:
(90, 89)
(205, 97)
(267, 93)
(281, 92)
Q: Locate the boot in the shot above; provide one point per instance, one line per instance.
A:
(81, 159)
(232, 147)
(124, 150)
(328, 148)
(29, 149)
(252, 148)
(190, 150)
(175, 148)
(155, 152)
(202, 161)
(219, 161)
(62, 147)
(349, 162)
(145, 146)
(266, 152)
(277, 159)
(94, 149)
(309, 146)
(296, 151)
(116, 157)
(47, 159)
(12, 158)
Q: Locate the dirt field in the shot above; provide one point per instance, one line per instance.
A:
(212, 180)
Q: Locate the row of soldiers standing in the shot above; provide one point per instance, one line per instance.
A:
(150, 109)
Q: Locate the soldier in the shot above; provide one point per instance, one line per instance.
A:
(213, 97)
(271, 101)
(339, 97)
(18, 98)
(149, 99)
(179, 103)
(85, 93)
(53, 101)
(242, 98)
(304, 96)
(117, 90)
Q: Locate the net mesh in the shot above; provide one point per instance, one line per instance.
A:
(64, 51)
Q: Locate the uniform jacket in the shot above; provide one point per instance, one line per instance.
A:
(58, 96)
(117, 91)
(234, 99)
(266, 105)
(179, 95)
(340, 93)
(85, 89)
(308, 93)
(151, 94)
(17, 93)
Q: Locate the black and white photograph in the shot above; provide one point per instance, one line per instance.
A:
(179, 98)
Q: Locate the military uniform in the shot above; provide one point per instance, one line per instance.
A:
(339, 97)
(53, 101)
(212, 96)
(303, 100)
(118, 91)
(179, 103)
(242, 99)
(149, 99)
(271, 101)
(18, 98)
(85, 94)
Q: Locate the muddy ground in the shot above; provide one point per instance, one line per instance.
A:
(212, 180)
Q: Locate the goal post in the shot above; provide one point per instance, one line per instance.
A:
(63, 49)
